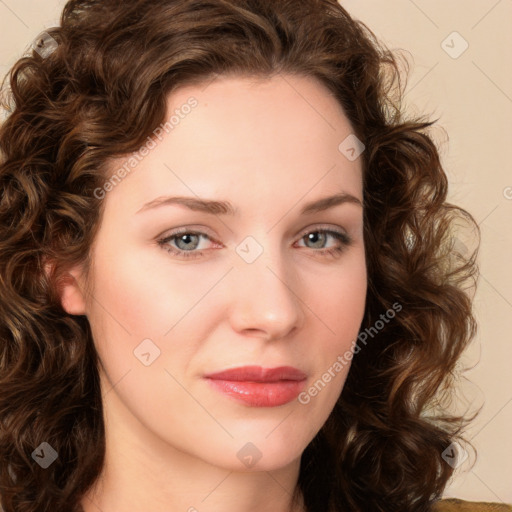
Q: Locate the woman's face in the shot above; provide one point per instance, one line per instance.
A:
(258, 287)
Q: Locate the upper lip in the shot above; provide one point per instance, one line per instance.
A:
(259, 374)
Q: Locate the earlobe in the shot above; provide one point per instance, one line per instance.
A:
(70, 291)
(72, 298)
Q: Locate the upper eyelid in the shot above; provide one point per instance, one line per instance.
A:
(206, 231)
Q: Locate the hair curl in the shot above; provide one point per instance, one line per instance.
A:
(99, 95)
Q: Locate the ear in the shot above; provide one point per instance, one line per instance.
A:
(70, 290)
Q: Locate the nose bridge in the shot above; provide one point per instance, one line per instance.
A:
(266, 298)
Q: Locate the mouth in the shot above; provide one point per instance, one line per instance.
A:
(259, 387)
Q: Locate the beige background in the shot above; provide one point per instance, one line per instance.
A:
(472, 96)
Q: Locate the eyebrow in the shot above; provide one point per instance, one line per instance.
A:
(226, 208)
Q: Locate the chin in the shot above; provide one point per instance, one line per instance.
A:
(259, 454)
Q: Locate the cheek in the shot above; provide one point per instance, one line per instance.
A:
(338, 305)
(140, 307)
(143, 296)
(338, 298)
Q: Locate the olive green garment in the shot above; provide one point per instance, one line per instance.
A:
(454, 505)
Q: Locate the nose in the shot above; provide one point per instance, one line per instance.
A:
(266, 299)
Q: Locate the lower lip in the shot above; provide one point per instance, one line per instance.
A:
(260, 394)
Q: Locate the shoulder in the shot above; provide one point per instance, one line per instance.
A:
(455, 505)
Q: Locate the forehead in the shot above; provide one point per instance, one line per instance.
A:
(265, 137)
(290, 107)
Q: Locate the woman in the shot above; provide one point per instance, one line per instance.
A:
(226, 265)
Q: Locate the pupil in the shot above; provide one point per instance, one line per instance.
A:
(183, 238)
(312, 236)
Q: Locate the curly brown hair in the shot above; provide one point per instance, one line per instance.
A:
(98, 95)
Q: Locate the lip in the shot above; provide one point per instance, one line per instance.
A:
(259, 374)
(259, 387)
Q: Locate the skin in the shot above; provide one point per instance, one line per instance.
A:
(269, 147)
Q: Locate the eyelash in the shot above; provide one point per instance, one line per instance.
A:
(345, 240)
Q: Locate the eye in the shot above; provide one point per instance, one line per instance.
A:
(184, 242)
(319, 237)
(187, 242)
